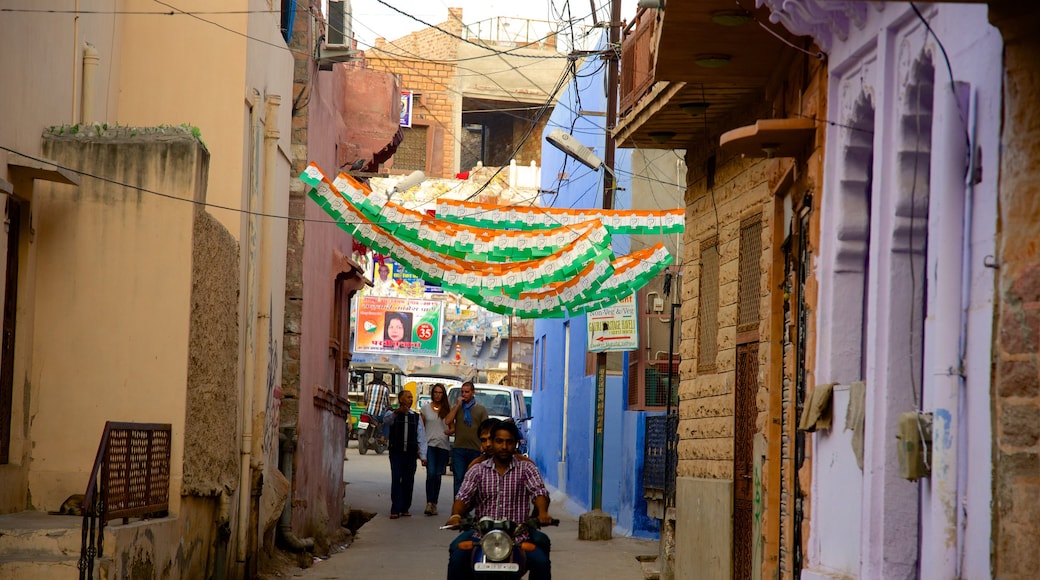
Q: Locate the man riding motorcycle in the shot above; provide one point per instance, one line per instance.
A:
(377, 402)
(501, 488)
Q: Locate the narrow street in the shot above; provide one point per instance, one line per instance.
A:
(415, 547)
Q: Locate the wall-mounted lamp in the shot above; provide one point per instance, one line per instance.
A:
(661, 137)
(652, 4)
(711, 60)
(730, 17)
(694, 109)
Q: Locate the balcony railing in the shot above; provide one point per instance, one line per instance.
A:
(637, 59)
(130, 478)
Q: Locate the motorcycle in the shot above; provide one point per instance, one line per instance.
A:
(497, 554)
(370, 435)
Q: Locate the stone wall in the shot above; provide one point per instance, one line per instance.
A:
(211, 422)
(435, 104)
(722, 191)
(1016, 400)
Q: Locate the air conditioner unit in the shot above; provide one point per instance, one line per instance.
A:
(338, 35)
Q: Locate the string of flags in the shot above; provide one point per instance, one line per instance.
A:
(530, 262)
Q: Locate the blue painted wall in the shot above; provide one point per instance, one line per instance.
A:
(576, 186)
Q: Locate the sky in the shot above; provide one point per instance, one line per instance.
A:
(373, 19)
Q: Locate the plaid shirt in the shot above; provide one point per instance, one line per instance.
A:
(506, 496)
(377, 399)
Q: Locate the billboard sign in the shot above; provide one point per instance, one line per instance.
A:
(614, 328)
(403, 326)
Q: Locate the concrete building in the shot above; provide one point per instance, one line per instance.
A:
(141, 284)
(564, 386)
(471, 100)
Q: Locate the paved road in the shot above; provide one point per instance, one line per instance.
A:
(415, 548)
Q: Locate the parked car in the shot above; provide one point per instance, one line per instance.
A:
(501, 402)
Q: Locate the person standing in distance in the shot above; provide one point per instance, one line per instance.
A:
(463, 421)
(407, 443)
(438, 450)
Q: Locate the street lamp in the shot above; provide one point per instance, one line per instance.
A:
(597, 524)
(559, 139)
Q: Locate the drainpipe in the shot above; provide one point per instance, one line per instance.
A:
(949, 167)
(75, 55)
(248, 240)
(287, 445)
(90, 64)
(969, 200)
(263, 299)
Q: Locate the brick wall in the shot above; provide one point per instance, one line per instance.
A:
(436, 104)
(1016, 402)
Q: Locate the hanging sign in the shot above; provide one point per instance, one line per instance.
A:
(614, 328)
(399, 326)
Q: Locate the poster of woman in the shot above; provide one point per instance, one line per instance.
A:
(399, 326)
(397, 329)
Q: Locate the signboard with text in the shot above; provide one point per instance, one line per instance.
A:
(402, 326)
(614, 328)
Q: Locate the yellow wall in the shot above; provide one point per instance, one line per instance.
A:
(153, 71)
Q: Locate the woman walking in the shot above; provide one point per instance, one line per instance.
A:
(438, 449)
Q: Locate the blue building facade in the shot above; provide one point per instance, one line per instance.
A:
(564, 383)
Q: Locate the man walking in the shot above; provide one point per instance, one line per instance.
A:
(463, 421)
(407, 443)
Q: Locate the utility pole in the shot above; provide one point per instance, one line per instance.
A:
(597, 524)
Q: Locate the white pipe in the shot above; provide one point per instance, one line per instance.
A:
(75, 55)
(90, 64)
(248, 241)
(268, 207)
(969, 201)
(946, 239)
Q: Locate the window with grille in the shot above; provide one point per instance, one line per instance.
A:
(658, 382)
(750, 272)
(708, 307)
(411, 153)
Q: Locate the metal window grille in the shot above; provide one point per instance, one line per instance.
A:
(657, 382)
(750, 282)
(411, 153)
(633, 384)
(708, 306)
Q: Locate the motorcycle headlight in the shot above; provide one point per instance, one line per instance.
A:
(497, 545)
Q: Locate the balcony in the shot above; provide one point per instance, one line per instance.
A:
(688, 69)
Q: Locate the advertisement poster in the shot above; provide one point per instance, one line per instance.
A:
(614, 328)
(391, 279)
(406, 108)
(398, 326)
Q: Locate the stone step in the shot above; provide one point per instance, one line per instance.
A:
(41, 533)
(25, 565)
